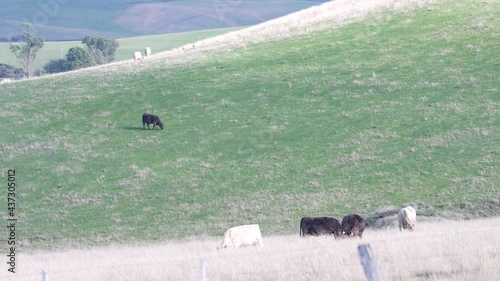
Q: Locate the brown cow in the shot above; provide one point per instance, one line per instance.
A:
(352, 225)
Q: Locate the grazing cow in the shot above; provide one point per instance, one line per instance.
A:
(352, 225)
(316, 226)
(407, 218)
(243, 235)
(151, 119)
(137, 56)
(147, 52)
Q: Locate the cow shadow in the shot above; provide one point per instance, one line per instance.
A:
(132, 128)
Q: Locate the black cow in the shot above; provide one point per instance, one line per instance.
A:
(151, 119)
(352, 225)
(316, 226)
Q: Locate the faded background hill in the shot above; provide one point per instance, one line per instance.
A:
(72, 20)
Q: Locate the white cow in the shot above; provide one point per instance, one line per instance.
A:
(137, 56)
(147, 52)
(407, 218)
(243, 235)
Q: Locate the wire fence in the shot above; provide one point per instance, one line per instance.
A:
(363, 266)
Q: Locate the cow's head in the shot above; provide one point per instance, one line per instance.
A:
(160, 124)
(335, 232)
(344, 232)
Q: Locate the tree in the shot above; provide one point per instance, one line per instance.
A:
(9, 71)
(77, 58)
(55, 66)
(27, 51)
(101, 48)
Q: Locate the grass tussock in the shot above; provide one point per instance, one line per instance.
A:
(440, 250)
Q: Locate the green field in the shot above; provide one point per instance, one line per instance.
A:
(158, 43)
(398, 108)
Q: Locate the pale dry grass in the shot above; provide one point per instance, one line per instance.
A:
(439, 250)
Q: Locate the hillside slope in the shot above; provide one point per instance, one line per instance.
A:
(366, 107)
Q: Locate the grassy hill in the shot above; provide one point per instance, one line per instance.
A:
(369, 107)
(73, 20)
(158, 43)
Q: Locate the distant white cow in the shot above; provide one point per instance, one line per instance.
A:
(137, 56)
(243, 235)
(407, 218)
(147, 52)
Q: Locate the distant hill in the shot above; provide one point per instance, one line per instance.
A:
(122, 18)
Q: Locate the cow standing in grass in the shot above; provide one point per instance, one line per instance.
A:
(137, 56)
(352, 225)
(151, 119)
(243, 235)
(316, 226)
(407, 218)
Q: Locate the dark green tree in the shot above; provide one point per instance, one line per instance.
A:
(77, 58)
(9, 71)
(101, 48)
(26, 52)
(55, 66)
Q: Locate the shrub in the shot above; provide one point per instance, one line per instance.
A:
(55, 66)
(77, 58)
(9, 71)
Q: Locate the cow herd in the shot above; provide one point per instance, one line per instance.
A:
(136, 55)
(352, 225)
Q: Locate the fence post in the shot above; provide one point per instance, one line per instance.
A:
(202, 270)
(45, 275)
(366, 256)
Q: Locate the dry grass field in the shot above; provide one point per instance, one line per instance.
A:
(437, 250)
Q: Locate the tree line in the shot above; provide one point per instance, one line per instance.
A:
(98, 50)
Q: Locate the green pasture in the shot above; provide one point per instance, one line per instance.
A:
(157, 43)
(397, 109)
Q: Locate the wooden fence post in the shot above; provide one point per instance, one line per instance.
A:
(366, 256)
(202, 270)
